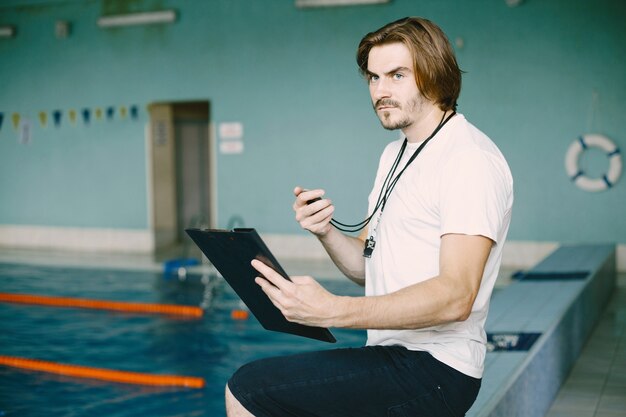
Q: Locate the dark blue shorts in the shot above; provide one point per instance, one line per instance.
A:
(372, 381)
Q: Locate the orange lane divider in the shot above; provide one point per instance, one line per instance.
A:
(102, 304)
(239, 314)
(124, 377)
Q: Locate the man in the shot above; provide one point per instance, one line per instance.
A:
(441, 207)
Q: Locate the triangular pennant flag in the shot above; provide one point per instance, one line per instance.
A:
(16, 120)
(134, 112)
(86, 116)
(43, 119)
(25, 132)
(56, 115)
(72, 115)
(110, 112)
(123, 112)
(98, 113)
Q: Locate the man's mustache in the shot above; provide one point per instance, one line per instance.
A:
(386, 102)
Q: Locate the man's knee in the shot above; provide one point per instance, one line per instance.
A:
(234, 407)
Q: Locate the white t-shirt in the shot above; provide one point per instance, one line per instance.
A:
(460, 183)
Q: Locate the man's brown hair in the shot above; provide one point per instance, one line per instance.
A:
(437, 73)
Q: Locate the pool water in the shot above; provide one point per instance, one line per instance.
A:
(212, 347)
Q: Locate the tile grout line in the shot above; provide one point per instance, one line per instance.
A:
(613, 309)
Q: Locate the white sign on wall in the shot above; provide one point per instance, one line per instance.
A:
(231, 137)
(231, 130)
(231, 146)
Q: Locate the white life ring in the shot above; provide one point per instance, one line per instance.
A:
(578, 175)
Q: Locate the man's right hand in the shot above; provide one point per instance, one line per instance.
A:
(313, 212)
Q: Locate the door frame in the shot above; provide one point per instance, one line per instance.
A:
(161, 184)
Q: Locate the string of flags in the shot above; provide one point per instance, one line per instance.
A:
(86, 116)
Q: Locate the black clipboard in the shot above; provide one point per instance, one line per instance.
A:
(231, 253)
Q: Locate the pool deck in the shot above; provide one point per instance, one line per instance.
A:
(562, 298)
(558, 376)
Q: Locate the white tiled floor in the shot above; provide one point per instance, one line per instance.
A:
(596, 386)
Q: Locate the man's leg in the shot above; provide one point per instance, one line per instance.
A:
(366, 382)
(234, 407)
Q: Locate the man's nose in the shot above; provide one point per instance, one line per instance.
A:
(380, 90)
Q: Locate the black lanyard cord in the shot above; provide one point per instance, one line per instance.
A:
(348, 227)
(386, 189)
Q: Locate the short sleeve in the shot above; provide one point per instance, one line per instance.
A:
(474, 195)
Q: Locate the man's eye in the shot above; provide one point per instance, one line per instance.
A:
(398, 76)
(373, 78)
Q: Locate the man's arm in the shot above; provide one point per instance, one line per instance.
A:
(345, 251)
(446, 298)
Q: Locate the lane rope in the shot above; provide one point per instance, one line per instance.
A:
(147, 308)
(125, 377)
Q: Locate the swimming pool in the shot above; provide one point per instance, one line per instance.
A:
(212, 347)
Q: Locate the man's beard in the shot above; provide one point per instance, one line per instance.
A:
(398, 124)
(405, 121)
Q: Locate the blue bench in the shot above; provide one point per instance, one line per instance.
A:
(561, 298)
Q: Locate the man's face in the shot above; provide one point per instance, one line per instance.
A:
(395, 97)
